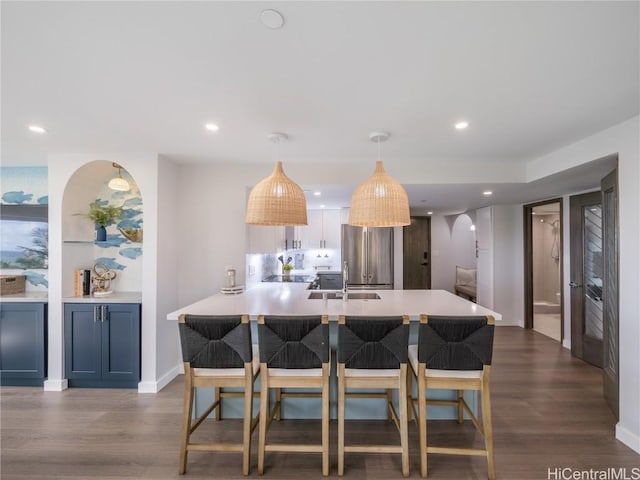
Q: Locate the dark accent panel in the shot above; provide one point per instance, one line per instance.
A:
(215, 341)
(455, 343)
(373, 342)
(293, 342)
(23, 343)
(83, 342)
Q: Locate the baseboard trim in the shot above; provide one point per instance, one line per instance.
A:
(566, 343)
(56, 385)
(156, 386)
(630, 439)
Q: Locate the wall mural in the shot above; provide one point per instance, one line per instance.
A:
(24, 243)
(118, 253)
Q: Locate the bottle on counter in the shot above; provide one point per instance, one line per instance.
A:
(231, 277)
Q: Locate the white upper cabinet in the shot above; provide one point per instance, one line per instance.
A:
(323, 230)
(265, 239)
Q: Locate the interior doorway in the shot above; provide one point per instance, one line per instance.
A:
(416, 241)
(543, 268)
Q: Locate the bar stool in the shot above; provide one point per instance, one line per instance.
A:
(217, 352)
(294, 353)
(454, 353)
(372, 353)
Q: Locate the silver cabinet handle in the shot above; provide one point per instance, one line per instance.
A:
(95, 313)
(574, 285)
(103, 312)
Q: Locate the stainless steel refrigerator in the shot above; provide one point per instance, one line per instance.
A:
(369, 255)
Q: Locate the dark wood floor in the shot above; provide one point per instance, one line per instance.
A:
(548, 412)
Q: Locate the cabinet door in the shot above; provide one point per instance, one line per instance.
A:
(332, 229)
(311, 235)
(82, 345)
(22, 343)
(121, 342)
(265, 239)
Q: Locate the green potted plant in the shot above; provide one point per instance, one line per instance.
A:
(286, 269)
(102, 216)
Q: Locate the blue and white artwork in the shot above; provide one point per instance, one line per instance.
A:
(117, 252)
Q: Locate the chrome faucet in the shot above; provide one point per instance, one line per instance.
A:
(345, 277)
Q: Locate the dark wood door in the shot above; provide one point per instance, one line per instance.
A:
(610, 290)
(586, 277)
(416, 263)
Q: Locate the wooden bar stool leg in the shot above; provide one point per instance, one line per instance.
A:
(264, 416)
(187, 411)
(460, 407)
(341, 400)
(325, 420)
(246, 425)
(217, 398)
(389, 402)
(404, 423)
(278, 404)
(487, 425)
(409, 394)
(422, 422)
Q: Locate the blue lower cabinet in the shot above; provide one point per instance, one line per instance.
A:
(23, 344)
(102, 345)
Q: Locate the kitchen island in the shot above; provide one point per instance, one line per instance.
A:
(293, 299)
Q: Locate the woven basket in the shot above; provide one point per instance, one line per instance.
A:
(10, 284)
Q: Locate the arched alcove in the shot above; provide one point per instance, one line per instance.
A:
(463, 242)
(122, 249)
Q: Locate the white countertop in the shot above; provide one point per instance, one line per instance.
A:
(115, 297)
(26, 297)
(291, 299)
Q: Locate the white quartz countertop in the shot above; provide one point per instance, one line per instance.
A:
(26, 297)
(115, 297)
(291, 299)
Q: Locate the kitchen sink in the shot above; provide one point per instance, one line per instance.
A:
(339, 295)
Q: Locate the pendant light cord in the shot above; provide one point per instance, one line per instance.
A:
(378, 148)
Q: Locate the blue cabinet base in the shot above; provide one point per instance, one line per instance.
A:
(102, 345)
(23, 344)
(21, 382)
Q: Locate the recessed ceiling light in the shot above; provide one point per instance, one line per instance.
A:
(461, 125)
(317, 194)
(533, 213)
(429, 213)
(472, 228)
(212, 127)
(322, 206)
(486, 193)
(37, 129)
(272, 19)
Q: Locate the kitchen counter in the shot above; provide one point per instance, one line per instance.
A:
(115, 297)
(292, 299)
(26, 297)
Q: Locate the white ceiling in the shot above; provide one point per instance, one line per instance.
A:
(530, 77)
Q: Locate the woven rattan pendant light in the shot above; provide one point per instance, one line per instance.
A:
(277, 200)
(379, 201)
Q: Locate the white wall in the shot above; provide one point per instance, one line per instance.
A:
(508, 263)
(168, 352)
(443, 265)
(622, 139)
